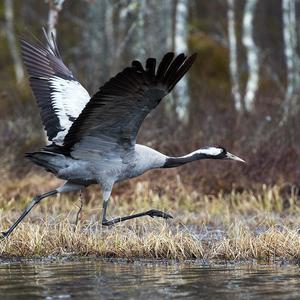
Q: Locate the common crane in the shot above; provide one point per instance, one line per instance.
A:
(93, 139)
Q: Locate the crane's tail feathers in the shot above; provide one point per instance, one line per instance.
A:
(52, 162)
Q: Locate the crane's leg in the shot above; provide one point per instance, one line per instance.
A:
(34, 202)
(152, 213)
(67, 187)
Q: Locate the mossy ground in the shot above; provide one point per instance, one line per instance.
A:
(246, 225)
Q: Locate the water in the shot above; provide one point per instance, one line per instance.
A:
(94, 279)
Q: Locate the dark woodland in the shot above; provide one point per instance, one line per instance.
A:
(242, 92)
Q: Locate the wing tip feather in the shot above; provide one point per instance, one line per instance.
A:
(172, 68)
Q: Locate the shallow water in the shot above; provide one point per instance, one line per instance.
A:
(95, 279)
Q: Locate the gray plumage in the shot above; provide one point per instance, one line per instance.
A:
(94, 140)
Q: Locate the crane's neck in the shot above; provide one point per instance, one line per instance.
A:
(202, 153)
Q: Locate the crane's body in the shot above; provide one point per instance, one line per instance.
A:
(100, 170)
(94, 138)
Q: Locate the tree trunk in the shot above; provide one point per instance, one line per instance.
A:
(55, 6)
(252, 54)
(181, 34)
(141, 34)
(10, 33)
(94, 45)
(290, 106)
(233, 64)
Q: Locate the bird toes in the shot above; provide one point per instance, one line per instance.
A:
(108, 223)
(3, 235)
(157, 213)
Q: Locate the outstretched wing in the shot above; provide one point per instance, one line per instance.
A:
(109, 123)
(60, 97)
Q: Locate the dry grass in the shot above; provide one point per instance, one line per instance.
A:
(260, 225)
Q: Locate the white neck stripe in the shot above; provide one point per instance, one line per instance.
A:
(214, 151)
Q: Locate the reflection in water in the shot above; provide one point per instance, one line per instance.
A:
(95, 279)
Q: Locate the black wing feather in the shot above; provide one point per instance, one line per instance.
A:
(136, 64)
(164, 65)
(116, 112)
(177, 62)
(150, 66)
(180, 73)
(44, 63)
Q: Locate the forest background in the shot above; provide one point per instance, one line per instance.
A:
(242, 93)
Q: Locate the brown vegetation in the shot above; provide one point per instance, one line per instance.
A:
(221, 210)
(261, 225)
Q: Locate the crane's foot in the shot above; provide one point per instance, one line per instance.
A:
(4, 234)
(152, 213)
(110, 223)
(157, 213)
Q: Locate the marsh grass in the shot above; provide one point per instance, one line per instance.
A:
(261, 224)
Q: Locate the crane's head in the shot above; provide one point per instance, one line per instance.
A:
(218, 153)
(202, 153)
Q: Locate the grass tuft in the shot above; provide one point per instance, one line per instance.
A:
(261, 224)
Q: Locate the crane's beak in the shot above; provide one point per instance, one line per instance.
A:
(233, 157)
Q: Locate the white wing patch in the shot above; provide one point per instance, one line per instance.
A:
(68, 98)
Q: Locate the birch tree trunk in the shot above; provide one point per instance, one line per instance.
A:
(233, 64)
(55, 6)
(141, 34)
(181, 33)
(157, 27)
(125, 31)
(153, 30)
(252, 54)
(291, 57)
(94, 45)
(10, 33)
